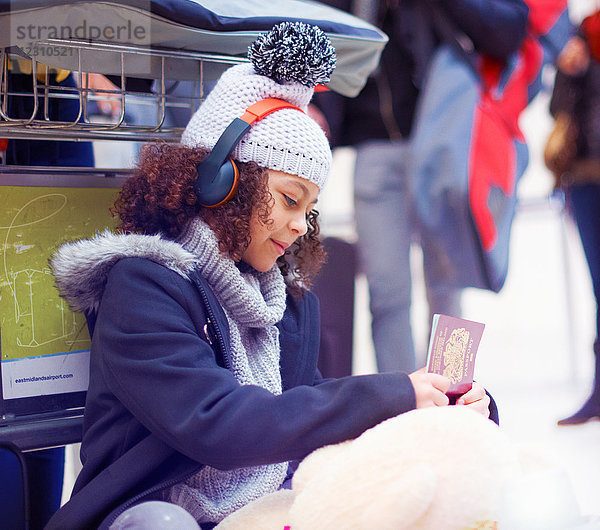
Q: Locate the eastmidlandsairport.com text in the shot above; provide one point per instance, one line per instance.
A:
(35, 378)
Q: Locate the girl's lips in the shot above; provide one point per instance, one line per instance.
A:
(280, 247)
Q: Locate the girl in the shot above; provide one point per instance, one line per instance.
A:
(203, 382)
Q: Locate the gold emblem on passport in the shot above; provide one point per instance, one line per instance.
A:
(454, 354)
(452, 348)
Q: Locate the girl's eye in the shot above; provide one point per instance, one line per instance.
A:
(289, 200)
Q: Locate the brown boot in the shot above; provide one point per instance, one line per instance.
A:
(591, 408)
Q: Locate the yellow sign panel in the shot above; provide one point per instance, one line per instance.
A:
(34, 221)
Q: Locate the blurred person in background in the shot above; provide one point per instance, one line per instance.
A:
(576, 102)
(378, 123)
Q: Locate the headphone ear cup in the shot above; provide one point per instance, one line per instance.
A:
(219, 190)
(218, 176)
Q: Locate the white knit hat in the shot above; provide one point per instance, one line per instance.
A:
(287, 63)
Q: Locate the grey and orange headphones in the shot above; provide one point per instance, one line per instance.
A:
(218, 175)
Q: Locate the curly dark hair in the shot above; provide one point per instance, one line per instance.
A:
(159, 199)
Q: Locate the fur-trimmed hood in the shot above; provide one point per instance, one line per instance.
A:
(81, 268)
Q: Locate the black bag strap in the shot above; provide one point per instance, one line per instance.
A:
(450, 33)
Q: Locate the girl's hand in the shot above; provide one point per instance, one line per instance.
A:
(476, 399)
(430, 389)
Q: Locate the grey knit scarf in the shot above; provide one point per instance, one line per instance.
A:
(253, 302)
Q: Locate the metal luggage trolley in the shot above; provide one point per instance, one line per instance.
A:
(44, 346)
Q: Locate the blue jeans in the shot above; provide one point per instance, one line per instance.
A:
(386, 228)
(584, 204)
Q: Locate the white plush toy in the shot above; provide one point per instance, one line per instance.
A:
(430, 469)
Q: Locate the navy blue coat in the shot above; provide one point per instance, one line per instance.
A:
(162, 402)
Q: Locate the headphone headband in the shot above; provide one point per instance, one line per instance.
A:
(264, 107)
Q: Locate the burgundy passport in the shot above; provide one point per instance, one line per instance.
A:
(452, 348)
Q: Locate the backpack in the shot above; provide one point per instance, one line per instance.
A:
(468, 152)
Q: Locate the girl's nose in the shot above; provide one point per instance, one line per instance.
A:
(298, 224)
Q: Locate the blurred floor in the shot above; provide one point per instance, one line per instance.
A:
(536, 353)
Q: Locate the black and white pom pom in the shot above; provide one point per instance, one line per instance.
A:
(294, 52)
